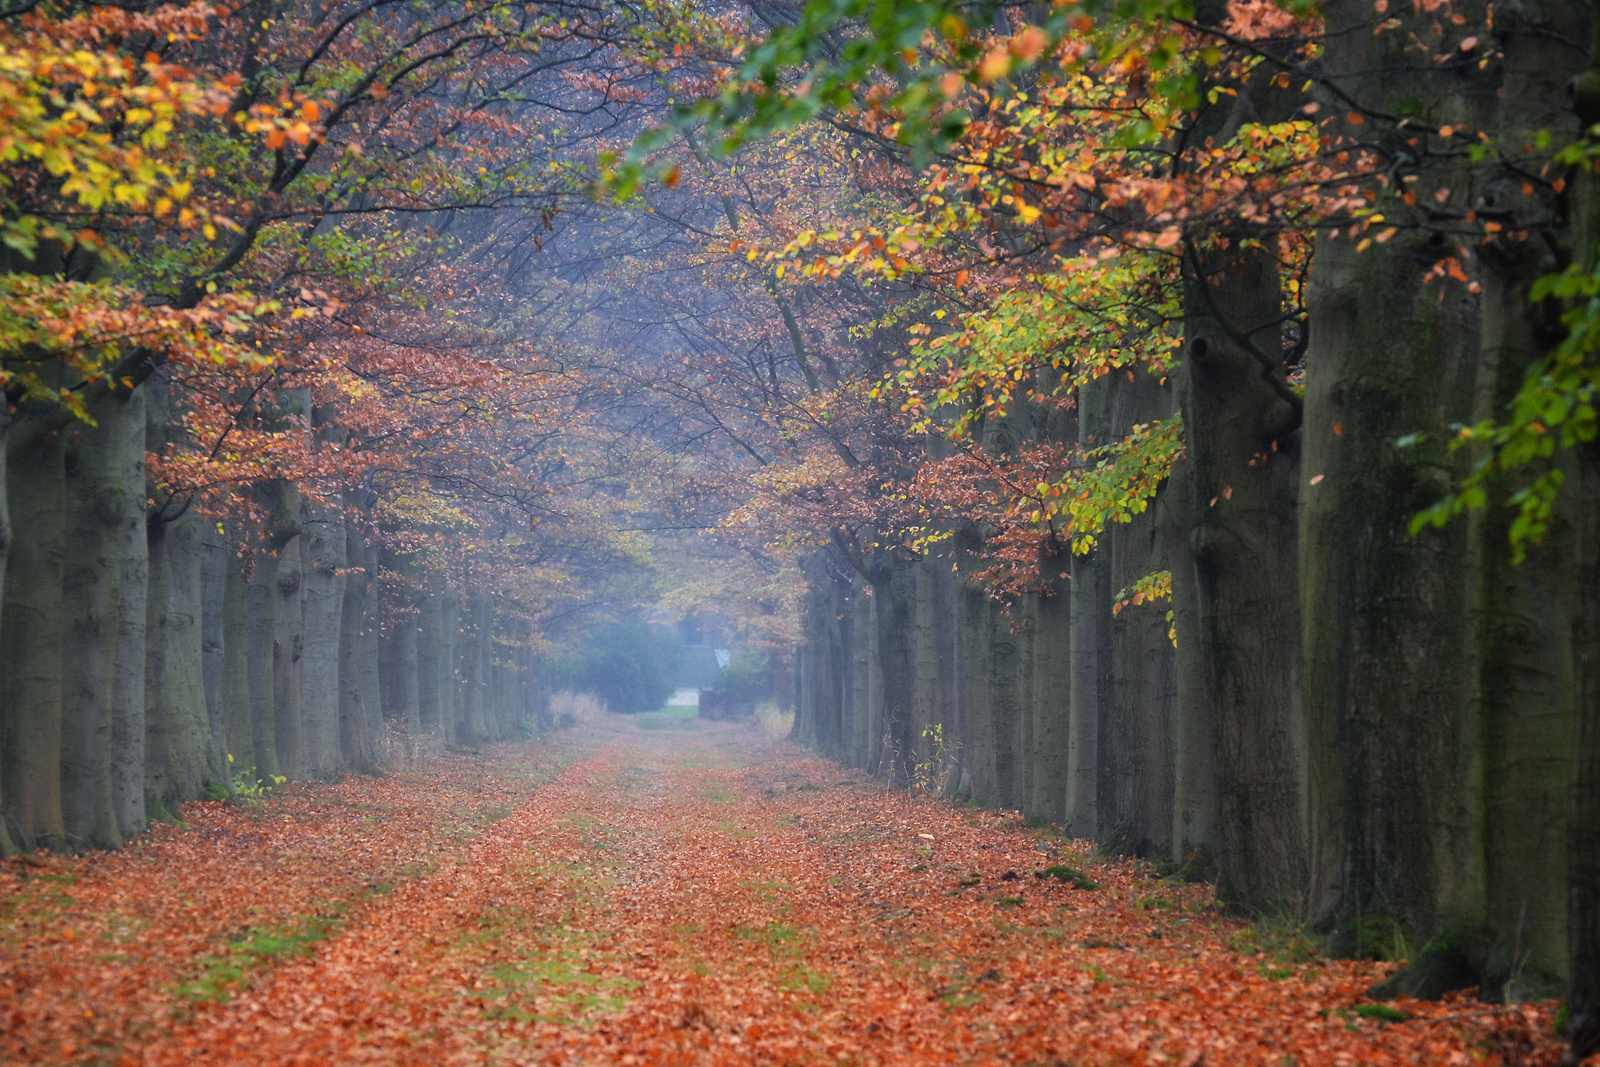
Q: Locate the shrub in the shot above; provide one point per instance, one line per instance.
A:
(746, 681)
(629, 666)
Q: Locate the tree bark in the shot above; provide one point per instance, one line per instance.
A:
(1242, 439)
(7, 846)
(371, 681)
(178, 757)
(355, 740)
(288, 649)
(32, 626)
(238, 733)
(216, 549)
(128, 675)
(430, 669)
(322, 604)
(91, 587)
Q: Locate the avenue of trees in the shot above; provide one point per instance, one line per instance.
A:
(1173, 421)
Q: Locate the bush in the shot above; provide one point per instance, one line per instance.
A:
(629, 666)
(745, 682)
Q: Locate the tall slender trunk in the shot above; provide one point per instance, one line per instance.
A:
(1052, 699)
(449, 679)
(32, 626)
(178, 757)
(369, 656)
(474, 669)
(430, 653)
(216, 548)
(401, 671)
(288, 649)
(128, 674)
(239, 736)
(91, 587)
(7, 846)
(1583, 843)
(322, 605)
(260, 666)
(1136, 732)
(354, 744)
(1243, 445)
(1194, 729)
(1090, 616)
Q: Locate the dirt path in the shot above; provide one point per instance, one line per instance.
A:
(695, 894)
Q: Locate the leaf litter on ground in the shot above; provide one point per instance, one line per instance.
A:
(697, 898)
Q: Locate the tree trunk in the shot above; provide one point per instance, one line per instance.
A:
(288, 649)
(355, 744)
(216, 550)
(238, 732)
(430, 669)
(449, 682)
(1242, 437)
(371, 684)
(178, 758)
(1090, 615)
(261, 666)
(1052, 699)
(322, 603)
(1194, 728)
(91, 598)
(32, 626)
(128, 675)
(475, 669)
(7, 846)
(1583, 843)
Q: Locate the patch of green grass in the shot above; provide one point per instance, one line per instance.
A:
(229, 972)
(1277, 936)
(552, 984)
(1379, 937)
(1382, 1013)
(667, 724)
(1009, 902)
(1062, 872)
(965, 999)
(801, 979)
(778, 937)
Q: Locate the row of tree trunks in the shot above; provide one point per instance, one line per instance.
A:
(1391, 736)
(155, 654)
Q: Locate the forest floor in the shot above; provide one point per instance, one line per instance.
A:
(667, 891)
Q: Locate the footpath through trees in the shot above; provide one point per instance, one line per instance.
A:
(660, 891)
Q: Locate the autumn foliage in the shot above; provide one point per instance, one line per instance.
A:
(669, 898)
